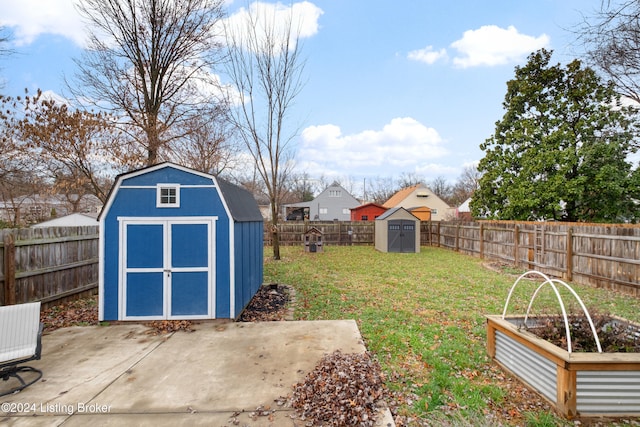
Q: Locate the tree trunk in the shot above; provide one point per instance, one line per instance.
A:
(153, 140)
(275, 236)
(276, 243)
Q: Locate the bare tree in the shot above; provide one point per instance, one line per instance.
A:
(150, 60)
(380, 190)
(208, 144)
(409, 180)
(5, 50)
(302, 187)
(612, 39)
(266, 67)
(467, 183)
(441, 188)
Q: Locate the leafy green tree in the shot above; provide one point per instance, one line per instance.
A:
(561, 151)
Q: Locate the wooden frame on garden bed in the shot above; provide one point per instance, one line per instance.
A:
(576, 384)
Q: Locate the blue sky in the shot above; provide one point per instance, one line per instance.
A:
(403, 87)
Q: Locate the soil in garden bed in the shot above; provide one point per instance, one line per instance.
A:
(615, 335)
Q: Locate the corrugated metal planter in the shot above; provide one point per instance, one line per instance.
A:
(575, 383)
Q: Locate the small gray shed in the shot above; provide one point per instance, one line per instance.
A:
(397, 230)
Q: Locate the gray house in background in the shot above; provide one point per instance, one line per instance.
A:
(334, 203)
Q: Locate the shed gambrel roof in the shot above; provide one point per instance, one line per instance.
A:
(241, 203)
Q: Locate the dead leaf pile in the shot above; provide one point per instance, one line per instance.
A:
(268, 304)
(342, 390)
(82, 312)
(161, 327)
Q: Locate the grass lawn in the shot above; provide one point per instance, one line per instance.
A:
(422, 316)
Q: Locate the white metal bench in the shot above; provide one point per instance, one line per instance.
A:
(20, 342)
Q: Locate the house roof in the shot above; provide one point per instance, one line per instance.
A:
(392, 211)
(313, 230)
(367, 205)
(71, 220)
(419, 209)
(400, 196)
(464, 207)
(323, 194)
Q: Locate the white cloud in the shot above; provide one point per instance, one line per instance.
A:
(403, 145)
(32, 18)
(303, 16)
(491, 45)
(427, 55)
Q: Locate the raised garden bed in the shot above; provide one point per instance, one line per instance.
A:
(580, 384)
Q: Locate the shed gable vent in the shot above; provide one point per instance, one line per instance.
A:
(422, 194)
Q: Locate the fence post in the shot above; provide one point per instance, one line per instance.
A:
(516, 244)
(438, 232)
(531, 248)
(457, 245)
(569, 260)
(9, 270)
(481, 231)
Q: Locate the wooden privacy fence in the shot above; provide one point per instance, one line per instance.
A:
(602, 255)
(47, 264)
(333, 232)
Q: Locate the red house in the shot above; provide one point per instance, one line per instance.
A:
(368, 212)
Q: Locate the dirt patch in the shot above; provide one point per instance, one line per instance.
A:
(615, 335)
(504, 268)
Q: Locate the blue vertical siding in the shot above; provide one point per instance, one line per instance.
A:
(248, 262)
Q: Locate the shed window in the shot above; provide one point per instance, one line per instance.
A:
(323, 211)
(365, 217)
(335, 193)
(168, 196)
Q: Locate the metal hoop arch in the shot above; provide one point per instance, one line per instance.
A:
(551, 283)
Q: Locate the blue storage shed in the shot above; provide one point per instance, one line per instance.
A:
(176, 243)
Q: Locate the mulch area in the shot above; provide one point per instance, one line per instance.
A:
(271, 303)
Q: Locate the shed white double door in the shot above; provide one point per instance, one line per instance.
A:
(167, 268)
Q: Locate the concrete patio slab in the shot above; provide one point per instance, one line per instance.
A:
(217, 375)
